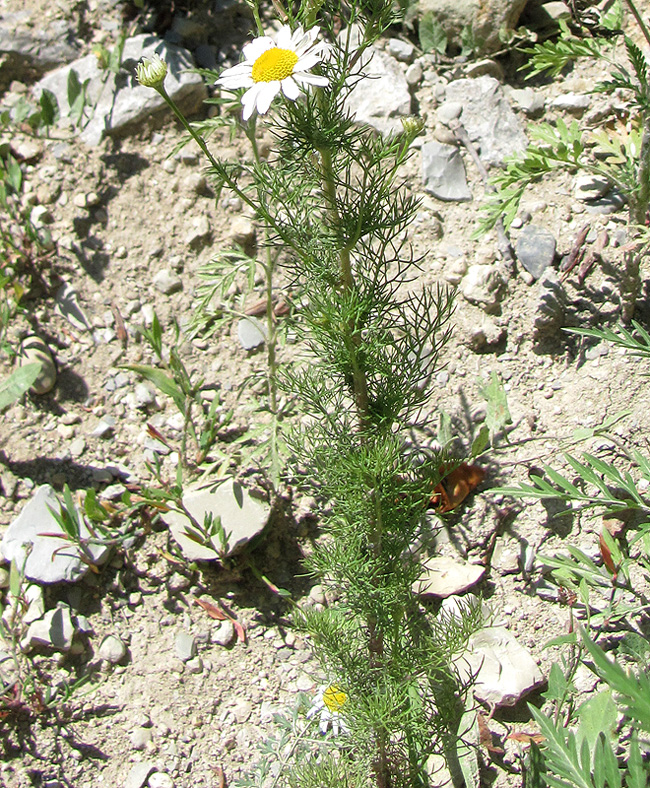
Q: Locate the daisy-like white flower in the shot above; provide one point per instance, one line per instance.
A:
(328, 703)
(276, 66)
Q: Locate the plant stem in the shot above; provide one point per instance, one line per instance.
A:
(187, 126)
(272, 334)
(639, 20)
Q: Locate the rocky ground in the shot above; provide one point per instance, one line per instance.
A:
(178, 698)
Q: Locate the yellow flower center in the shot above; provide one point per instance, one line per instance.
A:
(274, 64)
(334, 698)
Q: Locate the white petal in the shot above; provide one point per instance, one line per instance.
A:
(256, 47)
(284, 39)
(310, 79)
(306, 62)
(266, 95)
(249, 100)
(236, 72)
(290, 89)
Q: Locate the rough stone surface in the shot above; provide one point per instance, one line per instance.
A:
(46, 562)
(485, 18)
(30, 48)
(505, 671)
(120, 102)
(384, 98)
(54, 630)
(444, 577)
(138, 774)
(443, 172)
(535, 249)
(242, 518)
(484, 286)
(488, 117)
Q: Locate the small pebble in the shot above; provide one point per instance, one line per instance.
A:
(112, 649)
(160, 780)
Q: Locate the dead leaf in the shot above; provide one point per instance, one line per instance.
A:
(456, 486)
(486, 737)
(219, 776)
(221, 615)
(606, 554)
(526, 738)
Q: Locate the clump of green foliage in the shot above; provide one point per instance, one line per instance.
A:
(621, 158)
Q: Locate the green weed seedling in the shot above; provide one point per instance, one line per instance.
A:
(621, 158)
(202, 420)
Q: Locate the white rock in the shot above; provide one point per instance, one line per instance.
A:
(137, 777)
(443, 577)
(33, 350)
(112, 649)
(54, 630)
(118, 108)
(46, 562)
(167, 282)
(483, 285)
(160, 780)
(242, 517)
(505, 671)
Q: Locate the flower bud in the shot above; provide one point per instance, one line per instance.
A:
(151, 71)
(412, 126)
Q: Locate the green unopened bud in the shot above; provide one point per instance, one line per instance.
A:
(412, 126)
(151, 71)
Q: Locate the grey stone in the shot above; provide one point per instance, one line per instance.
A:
(185, 646)
(138, 774)
(443, 172)
(144, 395)
(575, 103)
(401, 50)
(104, 427)
(486, 18)
(47, 562)
(382, 99)
(613, 201)
(482, 335)
(29, 47)
(488, 117)
(535, 249)
(112, 649)
(505, 671)
(251, 332)
(167, 282)
(542, 16)
(194, 665)
(33, 350)
(485, 67)
(484, 286)
(243, 517)
(120, 102)
(54, 630)
(443, 577)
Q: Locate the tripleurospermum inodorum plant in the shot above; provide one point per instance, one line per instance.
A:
(330, 197)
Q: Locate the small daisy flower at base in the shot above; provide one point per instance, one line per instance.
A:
(276, 66)
(328, 703)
